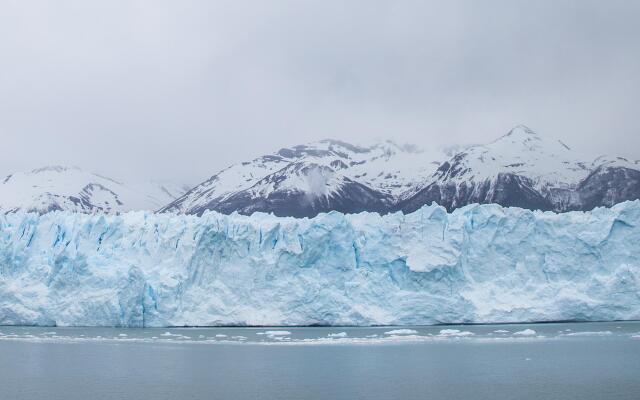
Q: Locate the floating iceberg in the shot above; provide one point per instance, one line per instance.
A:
(402, 332)
(481, 263)
(455, 332)
(275, 333)
(526, 332)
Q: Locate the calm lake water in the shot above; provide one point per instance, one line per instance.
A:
(540, 361)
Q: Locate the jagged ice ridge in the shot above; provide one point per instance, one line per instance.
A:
(480, 263)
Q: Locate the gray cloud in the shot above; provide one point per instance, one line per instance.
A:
(181, 89)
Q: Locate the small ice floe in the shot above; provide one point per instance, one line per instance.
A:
(239, 337)
(527, 359)
(221, 336)
(169, 334)
(200, 336)
(122, 335)
(599, 333)
(338, 335)
(501, 331)
(526, 332)
(454, 332)
(401, 332)
(277, 333)
(372, 336)
(50, 333)
(635, 337)
(567, 330)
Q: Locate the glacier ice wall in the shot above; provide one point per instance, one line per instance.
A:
(478, 264)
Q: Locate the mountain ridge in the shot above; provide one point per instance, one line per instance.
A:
(519, 169)
(58, 187)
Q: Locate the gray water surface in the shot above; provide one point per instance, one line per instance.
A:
(541, 361)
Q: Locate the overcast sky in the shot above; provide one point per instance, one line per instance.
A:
(180, 89)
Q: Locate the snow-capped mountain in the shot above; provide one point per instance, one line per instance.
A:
(308, 179)
(524, 169)
(70, 188)
(520, 169)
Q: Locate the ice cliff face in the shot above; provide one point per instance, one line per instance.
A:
(478, 264)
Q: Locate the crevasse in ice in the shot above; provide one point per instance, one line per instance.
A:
(481, 263)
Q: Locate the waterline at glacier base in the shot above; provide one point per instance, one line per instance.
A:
(479, 264)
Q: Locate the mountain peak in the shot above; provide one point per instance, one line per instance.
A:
(521, 130)
(521, 134)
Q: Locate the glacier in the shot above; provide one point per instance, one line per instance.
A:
(478, 264)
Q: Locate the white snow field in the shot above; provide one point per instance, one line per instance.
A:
(72, 189)
(478, 264)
